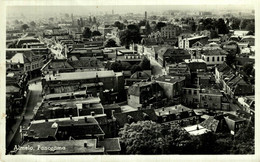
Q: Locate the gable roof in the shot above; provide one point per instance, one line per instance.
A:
(210, 123)
(122, 118)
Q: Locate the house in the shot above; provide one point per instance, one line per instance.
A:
(248, 103)
(176, 114)
(196, 65)
(167, 55)
(186, 42)
(130, 56)
(63, 129)
(106, 84)
(248, 39)
(172, 86)
(57, 66)
(86, 64)
(212, 99)
(145, 94)
(24, 40)
(235, 85)
(222, 71)
(25, 60)
(234, 122)
(170, 31)
(62, 107)
(71, 147)
(213, 57)
(134, 116)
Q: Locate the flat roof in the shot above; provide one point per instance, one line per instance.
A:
(80, 75)
(62, 147)
(196, 130)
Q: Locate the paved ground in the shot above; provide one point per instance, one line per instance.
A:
(14, 138)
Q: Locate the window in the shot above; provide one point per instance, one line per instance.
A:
(207, 59)
(213, 59)
(222, 58)
(189, 91)
(218, 58)
(195, 92)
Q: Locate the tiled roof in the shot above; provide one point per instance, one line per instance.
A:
(122, 118)
(210, 123)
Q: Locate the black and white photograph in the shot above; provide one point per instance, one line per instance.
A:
(130, 78)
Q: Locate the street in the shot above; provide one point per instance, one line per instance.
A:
(35, 96)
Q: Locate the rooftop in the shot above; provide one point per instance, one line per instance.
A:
(170, 79)
(196, 130)
(80, 75)
(62, 147)
(171, 110)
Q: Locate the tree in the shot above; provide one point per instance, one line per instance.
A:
(96, 33)
(110, 43)
(230, 59)
(176, 140)
(87, 33)
(143, 137)
(248, 68)
(24, 27)
(119, 25)
(250, 27)
(32, 23)
(116, 66)
(130, 35)
(145, 64)
(159, 25)
(213, 34)
(94, 20)
(222, 27)
(244, 140)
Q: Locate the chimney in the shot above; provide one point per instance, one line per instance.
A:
(150, 106)
(92, 113)
(86, 119)
(70, 117)
(112, 113)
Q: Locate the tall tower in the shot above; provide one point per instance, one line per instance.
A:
(145, 15)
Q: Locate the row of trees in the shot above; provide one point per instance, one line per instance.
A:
(119, 66)
(87, 33)
(147, 137)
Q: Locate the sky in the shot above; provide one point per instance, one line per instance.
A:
(119, 9)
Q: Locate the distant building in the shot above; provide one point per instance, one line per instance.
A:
(168, 55)
(188, 42)
(170, 31)
(213, 57)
